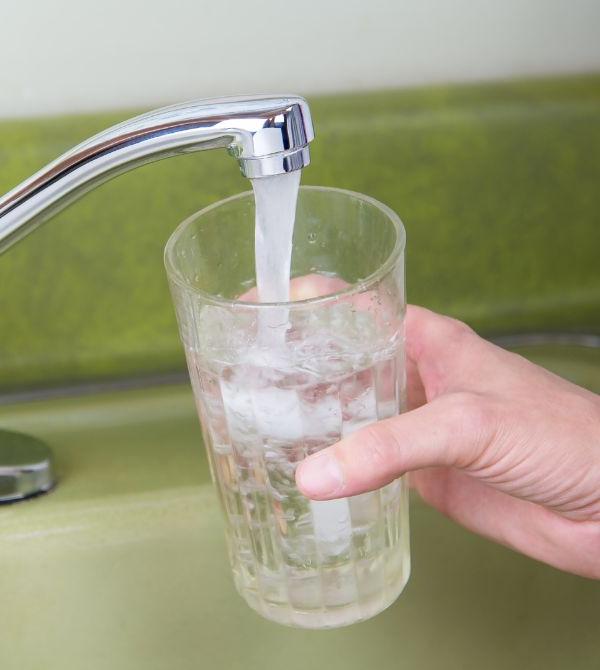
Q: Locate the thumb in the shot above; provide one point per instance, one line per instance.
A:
(452, 430)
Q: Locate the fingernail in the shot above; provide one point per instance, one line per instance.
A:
(320, 475)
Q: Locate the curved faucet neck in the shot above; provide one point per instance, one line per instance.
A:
(267, 134)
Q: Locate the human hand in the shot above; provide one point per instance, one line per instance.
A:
(502, 446)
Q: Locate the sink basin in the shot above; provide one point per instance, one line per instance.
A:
(124, 565)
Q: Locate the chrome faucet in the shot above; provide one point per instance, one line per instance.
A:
(267, 134)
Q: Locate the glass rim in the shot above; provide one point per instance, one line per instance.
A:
(357, 287)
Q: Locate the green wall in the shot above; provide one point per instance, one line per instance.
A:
(498, 187)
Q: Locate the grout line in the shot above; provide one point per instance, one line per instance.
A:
(584, 340)
(587, 340)
(91, 388)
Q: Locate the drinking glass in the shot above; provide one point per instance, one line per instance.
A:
(275, 382)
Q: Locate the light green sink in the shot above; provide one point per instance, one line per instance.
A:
(124, 566)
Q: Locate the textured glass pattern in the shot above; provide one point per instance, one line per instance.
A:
(311, 564)
(276, 382)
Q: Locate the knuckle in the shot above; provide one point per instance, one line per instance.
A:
(378, 446)
(458, 340)
(459, 329)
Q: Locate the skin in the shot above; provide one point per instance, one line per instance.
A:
(500, 445)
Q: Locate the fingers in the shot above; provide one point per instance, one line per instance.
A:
(414, 386)
(518, 524)
(443, 350)
(314, 286)
(303, 288)
(452, 430)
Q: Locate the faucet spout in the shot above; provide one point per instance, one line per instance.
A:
(268, 135)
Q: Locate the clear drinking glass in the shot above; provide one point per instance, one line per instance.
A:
(276, 382)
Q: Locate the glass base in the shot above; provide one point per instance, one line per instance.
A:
(330, 617)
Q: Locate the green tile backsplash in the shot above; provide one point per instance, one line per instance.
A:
(498, 187)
